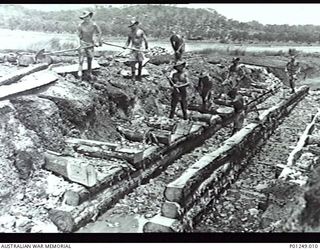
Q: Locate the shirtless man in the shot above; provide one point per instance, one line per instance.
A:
(178, 45)
(86, 31)
(292, 69)
(179, 83)
(136, 37)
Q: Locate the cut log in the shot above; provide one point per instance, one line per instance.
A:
(17, 75)
(62, 220)
(131, 155)
(160, 224)
(314, 149)
(313, 140)
(197, 116)
(225, 112)
(27, 83)
(76, 170)
(155, 135)
(93, 143)
(171, 210)
(73, 68)
(296, 152)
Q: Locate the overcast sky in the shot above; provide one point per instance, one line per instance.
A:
(263, 13)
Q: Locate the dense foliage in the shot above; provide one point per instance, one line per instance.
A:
(158, 21)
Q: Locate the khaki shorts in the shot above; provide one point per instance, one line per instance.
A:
(136, 56)
(87, 52)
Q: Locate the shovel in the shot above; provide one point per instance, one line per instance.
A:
(42, 52)
(122, 47)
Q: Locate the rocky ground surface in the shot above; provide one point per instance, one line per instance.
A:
(39, 121)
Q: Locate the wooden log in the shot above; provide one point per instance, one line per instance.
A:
(27, 83)
(314, 149)
(131, 155)
(17, 75)
(202, 117)
(93, 143)
(161, 224)
(296, 152)
(155, 135)
(313, 140)
(171, 210)
(76, 170)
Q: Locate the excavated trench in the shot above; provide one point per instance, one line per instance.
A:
(34, 191)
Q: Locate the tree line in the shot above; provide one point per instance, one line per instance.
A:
(158, 21)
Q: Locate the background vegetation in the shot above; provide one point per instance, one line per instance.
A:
(158, 21)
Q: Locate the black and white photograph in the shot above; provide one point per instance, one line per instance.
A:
(159, 118)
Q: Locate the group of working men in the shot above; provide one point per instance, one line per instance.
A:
(179, 77)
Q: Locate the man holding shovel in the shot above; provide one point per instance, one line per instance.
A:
(136, 37)
(86, 31)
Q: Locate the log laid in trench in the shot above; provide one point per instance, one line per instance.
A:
(17, 75)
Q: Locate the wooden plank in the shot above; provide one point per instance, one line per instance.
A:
(296, 152)
(73, 68)
(29, 82)
(17, 75)
(76, 170)
(131, 155)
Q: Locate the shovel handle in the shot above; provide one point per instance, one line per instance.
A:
(123, 47)
(68, 50)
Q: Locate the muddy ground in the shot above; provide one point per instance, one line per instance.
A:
(39, 121)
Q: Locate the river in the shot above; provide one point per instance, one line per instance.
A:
(24, 40)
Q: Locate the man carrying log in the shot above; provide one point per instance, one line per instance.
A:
(136, 37)
(292, 69)
(204, 88)
(86, 31)
(179, 83)
(237, 102)
(178, 45)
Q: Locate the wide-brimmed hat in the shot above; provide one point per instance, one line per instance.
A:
(179, 63)
(85, 14)
(133, 23)
(235, 59)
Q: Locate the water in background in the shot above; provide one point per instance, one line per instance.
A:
(31, 40)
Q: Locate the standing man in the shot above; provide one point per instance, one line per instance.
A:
(234, 76)
(178, 45)
(86, 31)
(179, 83)
(237, 102)
(292, 69)
(204, 88)
(136, 37)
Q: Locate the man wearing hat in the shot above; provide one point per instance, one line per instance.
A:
(179, 82)
(235, 74)
(178, 45)
(204, 87)
(86, 30)
(136, 37)
(237, 102)
(292, 69)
